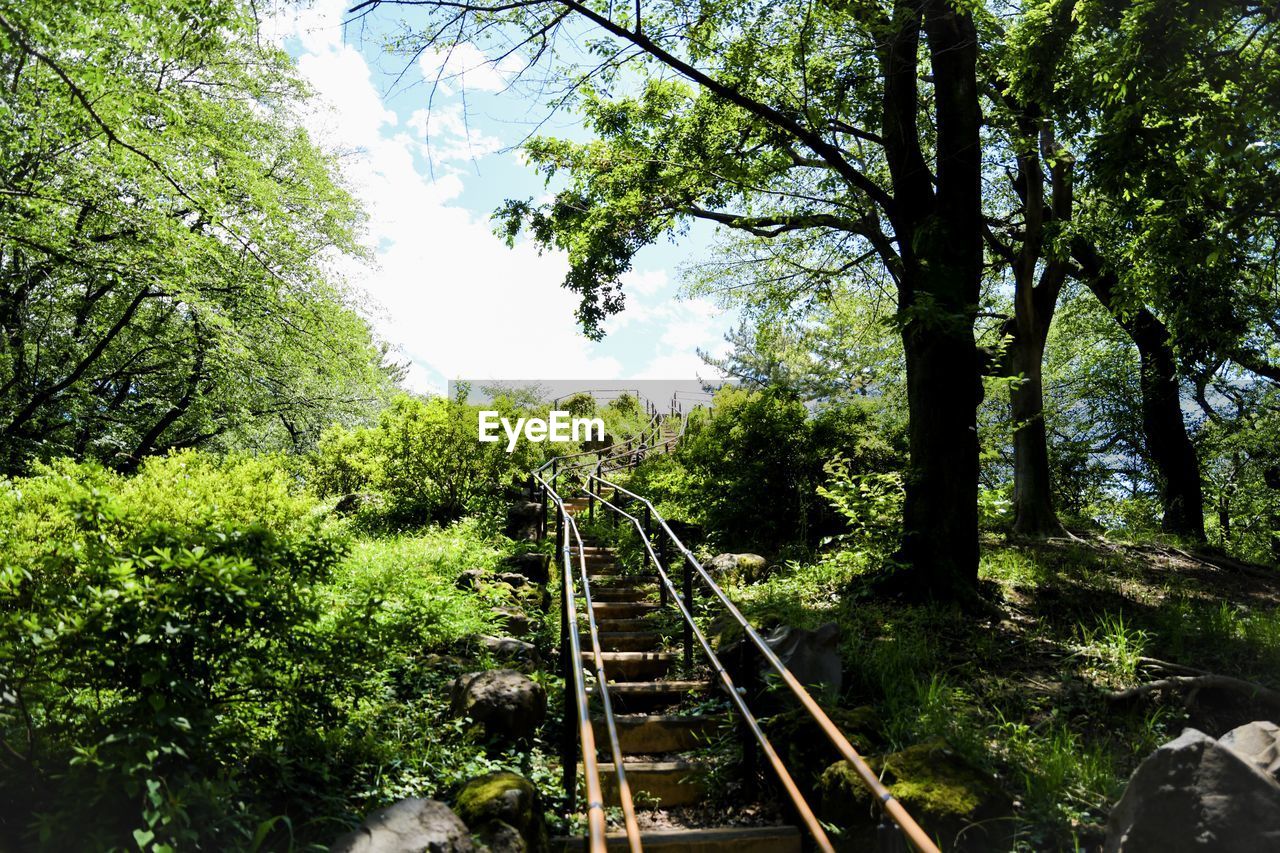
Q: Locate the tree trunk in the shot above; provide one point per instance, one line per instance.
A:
(940, 513)
(937, 225)
(1034, 514)
(1165, 432)
(1181, 491)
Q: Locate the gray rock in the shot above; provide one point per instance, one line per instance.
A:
(358, 502)
(420, 826)
(471, 579)
(506, 648)
(531, 565)
(1195, 793)
(499, 837)
(751, 568)
(516, 621)
(524, 520)
(1258, 742)
(515, 579)
(812, 656)
(507, 703)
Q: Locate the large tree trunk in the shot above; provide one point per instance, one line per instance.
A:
(940, 240)
(1181, 491)
(1034, 514)
(1034, 302)
(940, 514)
(1165, 431)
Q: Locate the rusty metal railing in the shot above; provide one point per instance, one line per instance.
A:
(576, 698)
(890, 806)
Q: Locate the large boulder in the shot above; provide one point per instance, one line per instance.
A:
(1197, 793)
(421, 826)
(949, 797)
(524, 520)
(472, 579)
(357, 503)
(496, 803)
(747, 568)
(507, 703)
(812, 656)
(531, 565)
(1259, 742)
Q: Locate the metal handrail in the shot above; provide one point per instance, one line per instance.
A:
(597, 825)
(888, 803)
(654, 418)
(797, 799)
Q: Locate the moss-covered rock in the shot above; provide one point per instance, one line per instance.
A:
(804, 746)
(955, 802)
(506, 798)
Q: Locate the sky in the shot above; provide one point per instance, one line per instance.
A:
(430, 164)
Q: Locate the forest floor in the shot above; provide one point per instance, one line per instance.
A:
(1037, 708)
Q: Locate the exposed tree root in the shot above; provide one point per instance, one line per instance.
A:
(1200, 682)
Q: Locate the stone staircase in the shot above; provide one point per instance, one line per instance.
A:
(645, 688)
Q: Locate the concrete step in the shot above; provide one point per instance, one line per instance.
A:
(727, 839)
(622, 593)
(632, 625)
(628, 696)
(623, 609)
(632, 666)
(613, 570)
(655, 784)
(655, 734)
(618, 580)
(630, 641)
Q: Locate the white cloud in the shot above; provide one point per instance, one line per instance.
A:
(646, 283)
(447, 136)
(466, 66)
(455, 300)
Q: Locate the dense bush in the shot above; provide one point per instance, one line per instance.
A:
(423, 460)
(748, 470)
(189, 656)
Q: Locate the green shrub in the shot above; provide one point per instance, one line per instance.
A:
(424, 459)
(748, 469)
(197, 655)
(152, 626)
(870, 502)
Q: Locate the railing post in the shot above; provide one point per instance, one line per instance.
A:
(688, 603)
(542, 519)
(569, 739)
(662, 561)
(559, 533)
(591, 499)
(750, 749)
